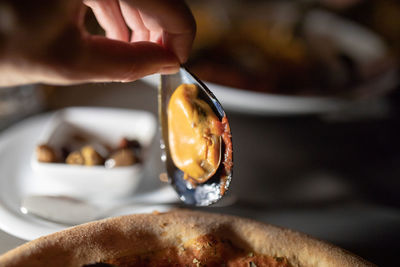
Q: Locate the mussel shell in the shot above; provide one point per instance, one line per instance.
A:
(214, 188)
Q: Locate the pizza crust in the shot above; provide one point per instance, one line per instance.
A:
(142, 233)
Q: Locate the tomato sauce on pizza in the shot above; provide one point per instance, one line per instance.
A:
(207, 250)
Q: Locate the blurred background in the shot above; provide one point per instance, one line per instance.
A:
(277, 66)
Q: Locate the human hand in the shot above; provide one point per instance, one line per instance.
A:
(44, 40)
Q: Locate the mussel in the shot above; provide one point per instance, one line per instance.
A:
(196, 139)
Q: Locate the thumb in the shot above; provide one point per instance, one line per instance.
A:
(104, 60)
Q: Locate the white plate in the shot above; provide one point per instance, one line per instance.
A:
(16, 146)
(255, 103)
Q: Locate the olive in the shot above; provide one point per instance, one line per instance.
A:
(45, 153)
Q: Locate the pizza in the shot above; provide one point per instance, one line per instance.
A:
(178, 238)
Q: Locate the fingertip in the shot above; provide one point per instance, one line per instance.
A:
(124, 62)
(179, 44)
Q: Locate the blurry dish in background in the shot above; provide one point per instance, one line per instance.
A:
(275, 47)
(273, 58)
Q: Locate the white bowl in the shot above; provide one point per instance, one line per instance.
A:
(94, 182)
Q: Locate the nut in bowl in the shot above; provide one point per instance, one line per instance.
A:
(97, 153)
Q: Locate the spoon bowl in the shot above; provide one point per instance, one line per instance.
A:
(214, 188)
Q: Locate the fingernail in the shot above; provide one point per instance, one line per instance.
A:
(169, 70)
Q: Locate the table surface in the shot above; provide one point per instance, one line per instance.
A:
(332, 177)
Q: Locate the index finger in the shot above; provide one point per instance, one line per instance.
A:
(176, 20)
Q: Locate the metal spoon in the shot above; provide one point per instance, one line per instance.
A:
(213, 189)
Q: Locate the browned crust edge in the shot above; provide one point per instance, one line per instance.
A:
(115, 237)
